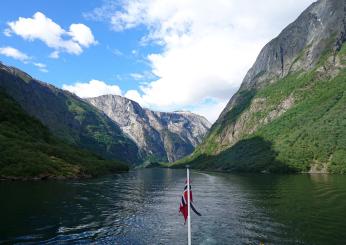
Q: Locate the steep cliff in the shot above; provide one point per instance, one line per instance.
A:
(161, 136)
(288, 114)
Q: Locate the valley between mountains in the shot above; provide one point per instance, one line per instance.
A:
(288, 116)
(84, 137)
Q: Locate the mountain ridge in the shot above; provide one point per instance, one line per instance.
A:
(279, 89)
(67, 116)
(29, 150)
(162, 136)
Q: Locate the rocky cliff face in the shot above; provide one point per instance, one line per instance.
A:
(161, 136)
(298, 47)
(281, 92)
(67, 116)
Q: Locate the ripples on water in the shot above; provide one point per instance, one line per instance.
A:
(141, 207)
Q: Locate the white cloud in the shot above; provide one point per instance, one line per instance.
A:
(42, 67)
(19, 55)
(208, 46)
(210, 110)
(143, 77)
(134, 95)
(137, 76)
(54, 55)
(96, 88)
(15, 54)
(82, 34)
(93, 88)
(43, 28)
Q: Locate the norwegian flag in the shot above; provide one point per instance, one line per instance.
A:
(183, 204)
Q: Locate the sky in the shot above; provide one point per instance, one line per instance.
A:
(167, 55)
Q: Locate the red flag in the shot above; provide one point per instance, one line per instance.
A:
(183, 203)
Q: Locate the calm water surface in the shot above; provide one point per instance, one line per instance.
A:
(141, 207)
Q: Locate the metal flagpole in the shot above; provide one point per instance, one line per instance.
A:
(188, 208)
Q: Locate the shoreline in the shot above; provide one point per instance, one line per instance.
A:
(52, 177)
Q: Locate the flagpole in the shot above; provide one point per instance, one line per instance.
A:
(188, 207)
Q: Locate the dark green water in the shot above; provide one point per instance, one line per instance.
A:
(141, 207)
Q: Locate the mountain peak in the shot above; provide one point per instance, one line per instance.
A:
(163, 136)
(299, 46)
(288, 112)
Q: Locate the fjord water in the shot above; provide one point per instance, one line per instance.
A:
(141, 207)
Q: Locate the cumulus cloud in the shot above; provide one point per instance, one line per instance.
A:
(15, 54)
(92, 88)
(82, 34)
(53, 35)
(208, 46)
(96, 88)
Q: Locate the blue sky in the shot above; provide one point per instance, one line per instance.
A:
(103, 61)
(166, 55)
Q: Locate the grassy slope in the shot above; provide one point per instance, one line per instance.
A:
(69, 117)
(27, 149)
(312, 132)
(97, 133)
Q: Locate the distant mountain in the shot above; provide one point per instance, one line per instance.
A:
(68, 117)
(28, 150)
(161, 136)
(289, 113)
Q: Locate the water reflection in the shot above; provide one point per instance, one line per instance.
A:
(141, 207)
(321, 178)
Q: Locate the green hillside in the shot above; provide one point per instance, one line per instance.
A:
(309, 135)
(68, 117)
(28, 150)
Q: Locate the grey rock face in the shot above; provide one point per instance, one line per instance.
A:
(298, 47)
(161, 136)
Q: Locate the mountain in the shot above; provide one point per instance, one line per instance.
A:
(161, 136)
(289, 113)
(29, 151)
(68, 117)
